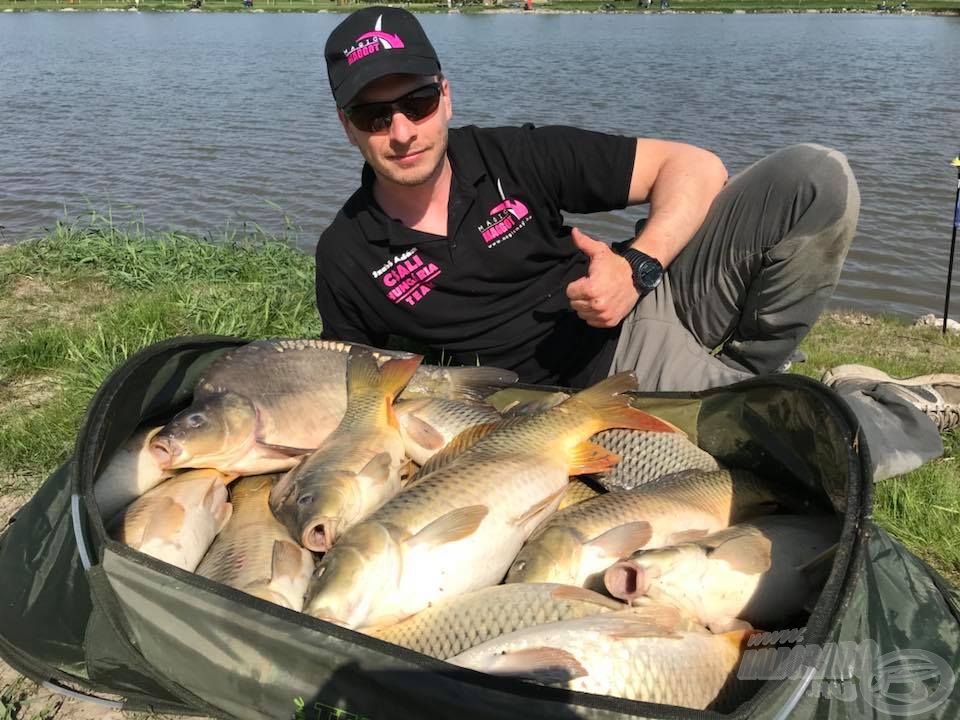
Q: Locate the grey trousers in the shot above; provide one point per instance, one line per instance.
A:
(749, 286)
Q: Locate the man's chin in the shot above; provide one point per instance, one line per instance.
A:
(418, 174)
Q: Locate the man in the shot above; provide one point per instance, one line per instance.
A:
(455, 240)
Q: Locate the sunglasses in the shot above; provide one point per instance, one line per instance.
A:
(415, 105)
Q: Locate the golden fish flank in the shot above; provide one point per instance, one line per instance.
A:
(429, 424)
(650, 655)
(578, 544)
(357, 468)
(131, 471)
(255, 553)
(176, 521)
(472, 514)
(763, 572)
(260, 407)
(461, 622)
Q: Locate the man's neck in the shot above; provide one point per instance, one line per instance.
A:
(421, 207)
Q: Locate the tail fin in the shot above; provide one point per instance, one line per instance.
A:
(365, 375)
(611, 408)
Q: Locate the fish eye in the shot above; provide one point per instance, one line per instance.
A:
(520, 565)
(196, 420)
(305, 499)
(320, 571)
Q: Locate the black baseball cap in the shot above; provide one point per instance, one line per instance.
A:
(374, 42)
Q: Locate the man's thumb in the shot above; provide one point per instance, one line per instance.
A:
(586, 244)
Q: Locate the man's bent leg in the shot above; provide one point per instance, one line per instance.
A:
(663, 353)
(761, 268)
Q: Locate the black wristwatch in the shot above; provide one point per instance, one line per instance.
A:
(647, 271)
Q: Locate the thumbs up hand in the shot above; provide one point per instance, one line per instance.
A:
(604, 296)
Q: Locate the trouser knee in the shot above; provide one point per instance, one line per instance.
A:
(822, 185)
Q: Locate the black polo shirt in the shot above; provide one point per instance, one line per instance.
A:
(493, 290)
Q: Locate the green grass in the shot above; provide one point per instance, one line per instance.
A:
(15, 703)
(922, 508)
(77, 303)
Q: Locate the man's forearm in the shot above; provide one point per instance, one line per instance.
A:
(680, 182)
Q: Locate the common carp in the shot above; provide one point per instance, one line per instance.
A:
(263, 406)
(176, 521)
(763, 572)
(429, 424)
(578, 544)
(459, 623)
(458, 528)
(131, 471)
(651, 655)
(357, 467)
(255, 553)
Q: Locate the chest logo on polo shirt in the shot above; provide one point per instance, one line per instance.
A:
(372, 42)
(506, 220)
(407, 277)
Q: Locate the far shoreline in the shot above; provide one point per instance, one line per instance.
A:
(498, 10)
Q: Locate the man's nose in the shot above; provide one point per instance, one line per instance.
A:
(402, 129)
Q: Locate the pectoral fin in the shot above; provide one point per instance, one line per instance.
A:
(166, 520)
(540, 507)
(271, 450)
(455, 525)
(546, 665)
(623, 540)
(378, 469)
(748, 554)
(422, 433)
(287, 559)
(686, 536)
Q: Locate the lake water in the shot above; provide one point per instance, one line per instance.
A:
(205, 121)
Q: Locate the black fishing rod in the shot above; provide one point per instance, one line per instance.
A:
(953, 245)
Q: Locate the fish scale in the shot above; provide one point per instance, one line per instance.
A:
(449, 628)
(707, 490)
(646, 457)
(475, 512)
(262, 406)
(618, 656)
(357, 468)
(243, 555)
(577, 544)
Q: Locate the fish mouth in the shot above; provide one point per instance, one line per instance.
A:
(166, 451)
(320, 535)
(626, 581)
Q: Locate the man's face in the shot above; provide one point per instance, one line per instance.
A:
(408, 152)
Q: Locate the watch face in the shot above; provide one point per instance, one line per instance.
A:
(650, 274)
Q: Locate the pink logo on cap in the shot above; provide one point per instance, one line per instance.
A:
(372, 42)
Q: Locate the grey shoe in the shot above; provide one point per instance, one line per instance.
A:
(936, 395)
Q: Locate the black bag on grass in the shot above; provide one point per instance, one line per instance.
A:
(81, 612)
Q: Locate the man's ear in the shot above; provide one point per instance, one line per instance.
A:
(447, 97)
(347, 127)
